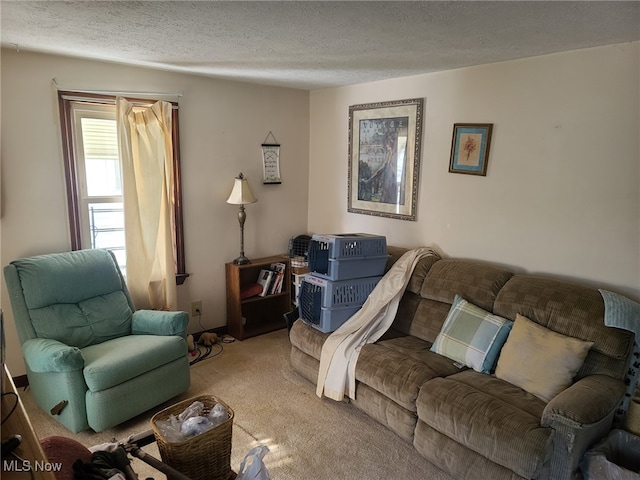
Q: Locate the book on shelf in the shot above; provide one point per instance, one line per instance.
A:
(265, 279)
(278, 269)
(272, 279)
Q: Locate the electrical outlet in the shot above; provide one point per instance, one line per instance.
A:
(196, 308)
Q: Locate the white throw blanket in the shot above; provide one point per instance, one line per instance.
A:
(340, 351)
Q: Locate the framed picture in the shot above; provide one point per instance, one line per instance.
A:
(470, 148)
(384, 158)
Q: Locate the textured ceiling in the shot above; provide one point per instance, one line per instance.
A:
(309, 45)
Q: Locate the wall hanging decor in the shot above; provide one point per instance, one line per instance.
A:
(384, 158)
(470, 148)
(271, 160)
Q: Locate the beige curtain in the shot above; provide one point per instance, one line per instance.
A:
(144, 138)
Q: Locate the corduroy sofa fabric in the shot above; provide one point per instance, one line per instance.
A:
(477, 283)
(456, 459)
(397, 368)
(490, 417)
(471, 424)
(572, 310)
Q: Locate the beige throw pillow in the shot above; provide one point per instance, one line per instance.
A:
(540, 361)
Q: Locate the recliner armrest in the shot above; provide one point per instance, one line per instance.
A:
(46, 355)
(159, 322)
(586, 402)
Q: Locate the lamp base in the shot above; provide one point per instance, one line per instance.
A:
(241, 260)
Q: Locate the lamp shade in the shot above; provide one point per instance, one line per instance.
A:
(241, 193)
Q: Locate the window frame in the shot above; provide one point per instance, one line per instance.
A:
(66, 99)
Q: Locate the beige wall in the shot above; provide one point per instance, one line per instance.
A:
(222, 125)
(561, 194)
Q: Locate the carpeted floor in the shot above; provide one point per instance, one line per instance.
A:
(309, 438)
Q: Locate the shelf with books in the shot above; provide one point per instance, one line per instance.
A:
(253, 309)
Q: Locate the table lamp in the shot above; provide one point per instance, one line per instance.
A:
(241, 195)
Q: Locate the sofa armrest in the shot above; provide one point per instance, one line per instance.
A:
(44, 355)
(159, 322)
(580, 416)
(586, 402)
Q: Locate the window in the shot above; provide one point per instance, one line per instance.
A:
(92, 167)
(99, 184)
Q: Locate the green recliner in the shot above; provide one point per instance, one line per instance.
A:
(84, 343)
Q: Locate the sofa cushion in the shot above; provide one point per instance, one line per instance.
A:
(93, 320)
(489, 416)
(308, 339)
(420, 272)
(386, 411)
(398, 367)
(472, 336)
(447, 454)
(304, 364)
(68, 277)
(420, 317)
(427, 310)
(539, 360)
(573, 310)
(113, 362)
(65, 301)
(478, 283)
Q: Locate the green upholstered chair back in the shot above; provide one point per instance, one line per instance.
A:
(79, 298)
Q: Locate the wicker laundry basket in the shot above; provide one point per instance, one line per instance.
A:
(206, 456)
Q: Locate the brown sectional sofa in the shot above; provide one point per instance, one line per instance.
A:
(476, 425)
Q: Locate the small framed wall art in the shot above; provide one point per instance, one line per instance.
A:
(271, 160)
(470, 148)
(384, 158)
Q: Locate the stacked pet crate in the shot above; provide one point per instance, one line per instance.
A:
(299, 258)
(345, 268)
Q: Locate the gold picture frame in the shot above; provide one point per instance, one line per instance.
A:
(385, 141)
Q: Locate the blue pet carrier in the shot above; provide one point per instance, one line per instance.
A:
(326, 304)
(347, 256)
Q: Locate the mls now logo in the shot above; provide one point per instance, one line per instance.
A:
(28, 466)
